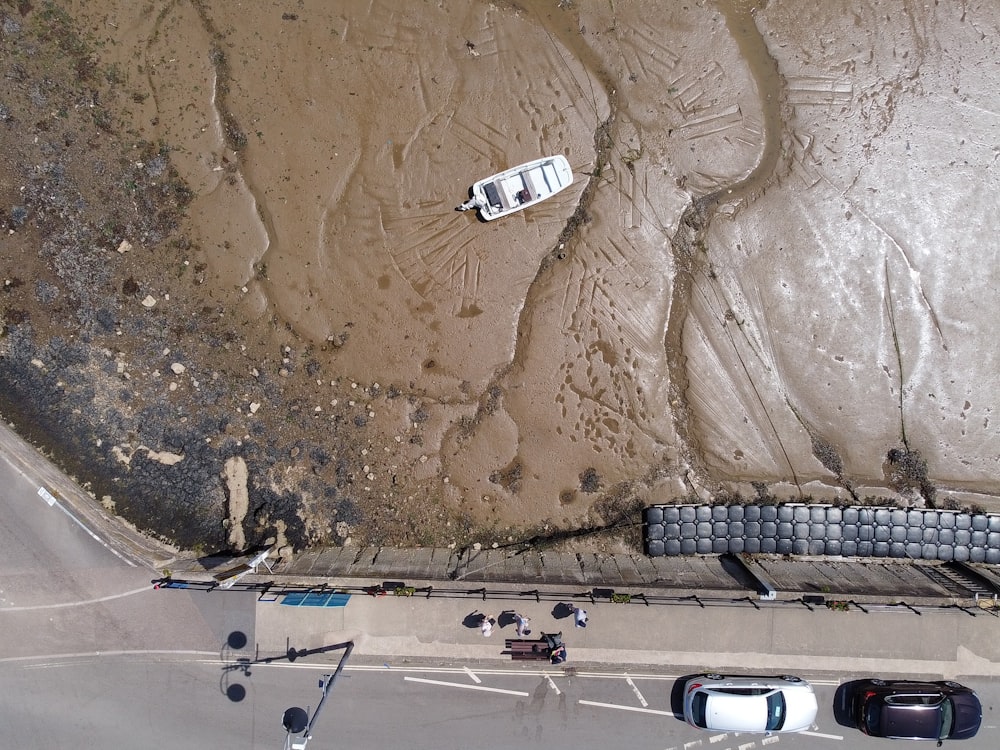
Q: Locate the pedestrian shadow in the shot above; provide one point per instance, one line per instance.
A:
(506, 618)
(473, 620)
(562, 610)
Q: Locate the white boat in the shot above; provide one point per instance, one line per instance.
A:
(520, 187)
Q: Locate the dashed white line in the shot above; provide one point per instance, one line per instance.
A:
(824, 736)
(693, 743)
(632, 708)
(636, 691)
(769, 740)
(467, 687)
(717, 738)
(472, 675)
(49, 498)
(747, 745)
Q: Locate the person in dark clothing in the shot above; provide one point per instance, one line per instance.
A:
(558, 654)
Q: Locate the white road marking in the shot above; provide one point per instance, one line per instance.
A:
(467, 687)
(53, 502)
(472, 674)
(748, 745)
(542, 672)
(552, 684)
(769, 740)
(693, 743)
(717, 738)
(54, 659)
(635, 690)
(63, 605)
(824, 736)
(632, 708)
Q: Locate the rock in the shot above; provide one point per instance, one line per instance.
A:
(236, 475)
(124, 247)
(177, 368)
(150, 301)
(166, 458)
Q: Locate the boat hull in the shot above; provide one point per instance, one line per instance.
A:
(519, 188)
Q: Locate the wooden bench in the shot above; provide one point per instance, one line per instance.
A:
(521, 650)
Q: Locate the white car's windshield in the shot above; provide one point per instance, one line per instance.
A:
(775, 711)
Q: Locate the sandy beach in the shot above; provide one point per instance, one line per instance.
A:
(775, 274)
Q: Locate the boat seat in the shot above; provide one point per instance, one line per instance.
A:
(531, 182)
(507, 199)
(492, 194)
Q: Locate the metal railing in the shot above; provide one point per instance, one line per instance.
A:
(272, 591)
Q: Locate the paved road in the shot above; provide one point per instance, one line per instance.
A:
(185, 702)
(94, 657)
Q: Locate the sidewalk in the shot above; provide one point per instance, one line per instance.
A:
(395, 630)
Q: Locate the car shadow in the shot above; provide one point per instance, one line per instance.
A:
(677, 695)
(842, 700)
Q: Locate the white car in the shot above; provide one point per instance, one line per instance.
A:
(749, 704)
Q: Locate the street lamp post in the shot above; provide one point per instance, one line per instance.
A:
(298, 726)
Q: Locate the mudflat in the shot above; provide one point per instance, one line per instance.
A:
(239, 304)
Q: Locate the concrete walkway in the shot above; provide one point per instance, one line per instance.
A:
(783, 638)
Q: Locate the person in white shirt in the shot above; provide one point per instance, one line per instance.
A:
(522, 625)
(486, 625)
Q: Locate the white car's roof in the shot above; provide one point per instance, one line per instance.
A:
(733, 712)
(736, 713)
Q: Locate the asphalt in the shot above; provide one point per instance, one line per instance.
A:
(691, 614)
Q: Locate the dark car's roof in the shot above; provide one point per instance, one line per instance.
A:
(909, 721)
(905, 719)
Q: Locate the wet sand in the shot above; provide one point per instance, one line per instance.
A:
(775, 265)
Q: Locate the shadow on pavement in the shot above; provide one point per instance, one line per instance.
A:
(842, 700)
(677, 695)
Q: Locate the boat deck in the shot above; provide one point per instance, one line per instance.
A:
(524, 187)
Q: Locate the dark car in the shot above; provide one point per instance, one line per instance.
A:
(912, 710)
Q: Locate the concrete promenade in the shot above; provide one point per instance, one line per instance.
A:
(783, 637)
(673, 633)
